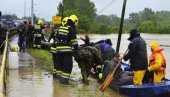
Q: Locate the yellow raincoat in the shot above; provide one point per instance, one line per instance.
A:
(157, 62)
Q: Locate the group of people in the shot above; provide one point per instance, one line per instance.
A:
(139, 70)
(137, 55)
(30, 35)
(99, 58)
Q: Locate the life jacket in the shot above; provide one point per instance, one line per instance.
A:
(152, 59)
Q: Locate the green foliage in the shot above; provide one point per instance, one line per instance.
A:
(107, 19)
(103, 28)
(147, 27)
(134, 18)
(146, 14)
(42, 55)
(164, 27)
(60, 8)
(84, 9)
(146, 21)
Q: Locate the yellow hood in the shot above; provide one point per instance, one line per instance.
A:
(154, 45)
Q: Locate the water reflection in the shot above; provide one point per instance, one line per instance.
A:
(29, 81)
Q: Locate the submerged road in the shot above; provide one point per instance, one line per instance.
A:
(30, 80)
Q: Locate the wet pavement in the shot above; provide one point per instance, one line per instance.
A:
(30, 80)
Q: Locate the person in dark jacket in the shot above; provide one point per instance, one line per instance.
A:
(137, 55)
(106, 49)
(23, 28)
(30, 36)
(120, 77)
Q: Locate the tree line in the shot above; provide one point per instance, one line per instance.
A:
(146, 21)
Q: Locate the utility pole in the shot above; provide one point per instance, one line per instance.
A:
(32, 13)
(62, 10)
(0, 15)
(121, 26)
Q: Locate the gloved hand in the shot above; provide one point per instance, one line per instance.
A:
(100, 76)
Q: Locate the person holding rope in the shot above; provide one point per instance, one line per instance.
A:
(137, 55)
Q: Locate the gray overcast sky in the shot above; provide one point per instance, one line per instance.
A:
(47, 8)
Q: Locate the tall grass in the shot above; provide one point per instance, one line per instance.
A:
(43, 58)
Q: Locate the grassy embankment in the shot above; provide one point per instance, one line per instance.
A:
(42, 58)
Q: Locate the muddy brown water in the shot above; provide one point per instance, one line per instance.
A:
(29, 80)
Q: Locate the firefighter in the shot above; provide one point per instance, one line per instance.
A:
(38, 34)
(53, 47)
(66, 39)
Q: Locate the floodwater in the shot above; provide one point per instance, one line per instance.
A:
(29, 80)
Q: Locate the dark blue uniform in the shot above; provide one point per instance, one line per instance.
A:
(65, 40)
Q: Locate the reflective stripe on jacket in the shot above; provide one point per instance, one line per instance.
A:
(53, 49)
(38, 27)
(64, 39)
(64, 49)
(37, 35)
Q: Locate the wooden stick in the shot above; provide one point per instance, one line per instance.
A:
(109, 78)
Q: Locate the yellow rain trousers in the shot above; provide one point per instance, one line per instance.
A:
(138, 77)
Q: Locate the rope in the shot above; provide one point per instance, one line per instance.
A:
(105, 7)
